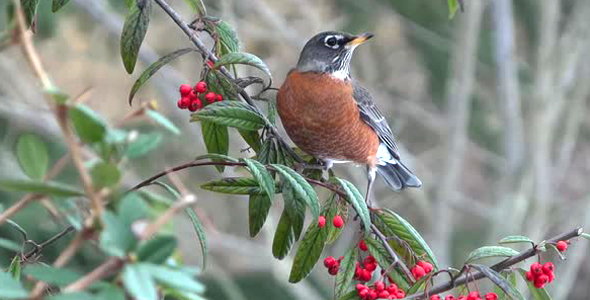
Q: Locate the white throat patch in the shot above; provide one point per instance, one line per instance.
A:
(341, 74)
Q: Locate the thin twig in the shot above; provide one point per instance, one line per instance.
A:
(497, 267)
(110, 265)
(396, 260)
(48, 242)
(20, 204)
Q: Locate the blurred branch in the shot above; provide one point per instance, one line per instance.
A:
(40, 247)
(110, 265)
(505, 264)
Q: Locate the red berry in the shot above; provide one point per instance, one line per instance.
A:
(363, 294)
(371, 267)
(218, 97)
(551, 276)
(561, 246)
(366, 275)
(333, 270)
(192, 95)
(435, 297)
(540, 281)
(462, 298)
(392, 289)
(185, 89)
(210, 64)
(425, 265)
(379, 286)
(369, 260)
(530, 276)
(536, 269)
(363, 245)
(491, 296)
(340, 258)
(180, 104)
(473, 295)
(548, 267)
(329, 262)
(400, 294)
(338, 222)
(383, 295)
(450, 297)
(210, 97)
(372, 295)
(321, 222)
(195, 105)
(359, 287)
(201, 87)
(418, 272)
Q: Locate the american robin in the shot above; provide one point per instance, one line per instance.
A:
(333, 118)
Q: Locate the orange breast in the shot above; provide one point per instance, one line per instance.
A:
(322, 118)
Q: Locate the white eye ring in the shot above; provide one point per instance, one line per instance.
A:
(332, 39)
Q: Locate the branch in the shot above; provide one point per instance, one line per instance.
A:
(473, 276)
(210, 56)
(106, 268)
(396, 260)
(40, 247)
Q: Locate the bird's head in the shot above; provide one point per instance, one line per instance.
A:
(330, 52)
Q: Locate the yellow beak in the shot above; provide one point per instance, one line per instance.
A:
(359, 39)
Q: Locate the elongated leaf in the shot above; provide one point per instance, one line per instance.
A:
(134, 30)
(284, 237)
(513, 239)
(116, 239)
(52, 275)
(71, 296)
(234, 185)
(332, 207)
(145, 143)
(217, 157)
(30, 9)
(228, 38)
(244, 59)
(267, 152)
(153, 68)
(216, 139)
(453, 7)
(45, 188)
(163, 121)
(9, 245)
(418, 285)
(406, 232)
(231, 113)
(301, 187)
(384, 260)
(200, 231)
(90, 127)
(138, 281)
(346, 272)
(258, 208)
(110, 292)
(105, 174)
(32, 155)
(15, 268)
(174, 278)
(352, 295)
(157, 249)
(58, 4)
(11, 288)
(511, 277)
(309, 252)
(490, 251)
(295, 209)
(500, 281)
(252, 138)
(265, 180)
(198, 6)
(358, 202)
(538, 294)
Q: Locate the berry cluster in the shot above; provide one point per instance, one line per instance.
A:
(364, 271)
(540, 275)
(421, 269)
(379, 290)
(194, 98)
(338, 222)
(332, 264)
(472, 296)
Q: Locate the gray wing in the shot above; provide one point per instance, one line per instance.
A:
(371, 114)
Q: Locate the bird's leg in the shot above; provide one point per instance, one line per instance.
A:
(371, 172)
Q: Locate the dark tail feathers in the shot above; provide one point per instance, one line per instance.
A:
(397, 176)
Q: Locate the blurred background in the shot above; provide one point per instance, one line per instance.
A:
(490, 109)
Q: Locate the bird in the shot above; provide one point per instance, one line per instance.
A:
(332, 117)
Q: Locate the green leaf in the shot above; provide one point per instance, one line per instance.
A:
(15, 267)
(128, 3)
(134, 30)
(153, 68)
(262, 176)
(9, 245)
(500, 281)
(252, 138)
(384, 260)
(244, 59)
(198, 6)
(585, 235)
(453, 7)
(284, 237)
(228, 38)
(45, 188)
(352, 295)
(157, 249)
(217, 157)
(117, 238)
(538, 294)
(110, 292)
(174, 278)
(267, 152)
(132, 208)
(216, 139)
(300, 187)
(490, 251)
(513, 239)
(144, 143)
(233, 185)
(90, 127)
(334, 206)
(358, 202)
(258, 207)
(346, 272)
(58, 4)
(30, 9)
(52, 275)
(71, 296)
(32, 156)
(139, 282)
(418, 285)
(406, 232)
(295, 209)
(231, 113)
(11, 288)
(163, 121)
(200, 230)
(511, 277)
(105, 174)
(58, 96)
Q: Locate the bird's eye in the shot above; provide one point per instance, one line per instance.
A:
(331, 42)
